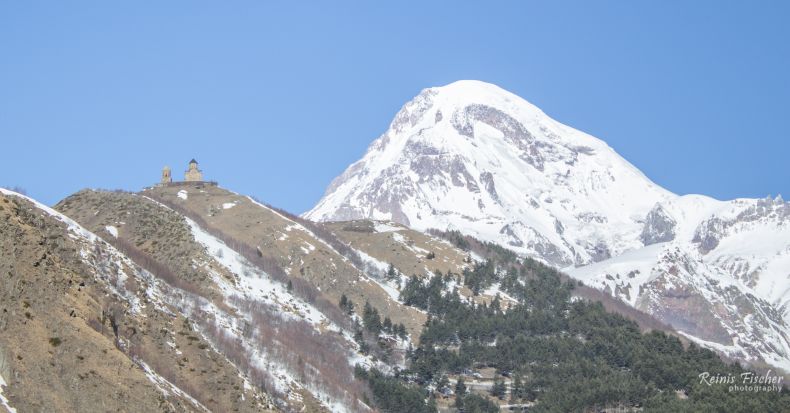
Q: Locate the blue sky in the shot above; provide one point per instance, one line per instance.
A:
(275, 100)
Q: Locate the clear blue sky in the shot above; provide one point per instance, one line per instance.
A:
(276, 100)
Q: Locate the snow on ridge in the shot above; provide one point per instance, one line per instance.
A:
(3, 401)
(73, 227)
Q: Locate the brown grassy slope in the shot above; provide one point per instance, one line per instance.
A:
(144, 226)
(72, 343)
(56, 361)
(298, 251)
(162, 236)
(404, 248)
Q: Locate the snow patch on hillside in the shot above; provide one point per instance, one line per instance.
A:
(3, 401)
(386, 227)
(166, 387)
(112, 230)
(254, 283)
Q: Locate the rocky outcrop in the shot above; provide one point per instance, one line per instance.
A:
(659, 227)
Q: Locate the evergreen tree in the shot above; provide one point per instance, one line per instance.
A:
(371, 319)
(360, 339)
(498, 389)
(400, 330)
(516, 389)
(443, 383)
(460, 391)
(392, 273)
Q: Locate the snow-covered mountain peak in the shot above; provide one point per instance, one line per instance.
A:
(472, 155)
(476, 158)
(470, 92)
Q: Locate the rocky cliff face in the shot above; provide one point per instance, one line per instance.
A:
(472, 157)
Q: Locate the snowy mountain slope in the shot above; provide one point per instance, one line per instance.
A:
(473, 157)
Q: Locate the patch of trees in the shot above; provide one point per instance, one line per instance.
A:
(487, 250)
(453, 236)
(481, 276)
(569, 356)
(424, 296)
(474, 403)
(368, 333)
(346, 304)
(392, 395)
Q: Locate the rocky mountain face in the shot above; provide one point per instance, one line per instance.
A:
(472, 157)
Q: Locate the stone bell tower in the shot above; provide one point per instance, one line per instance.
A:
(166, 177)
(193, 174)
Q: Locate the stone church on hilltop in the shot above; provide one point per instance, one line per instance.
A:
(192, 174)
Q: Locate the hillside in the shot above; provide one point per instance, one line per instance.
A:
(255, 273)
(217, 302)
(301, 250)
(84, 328)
